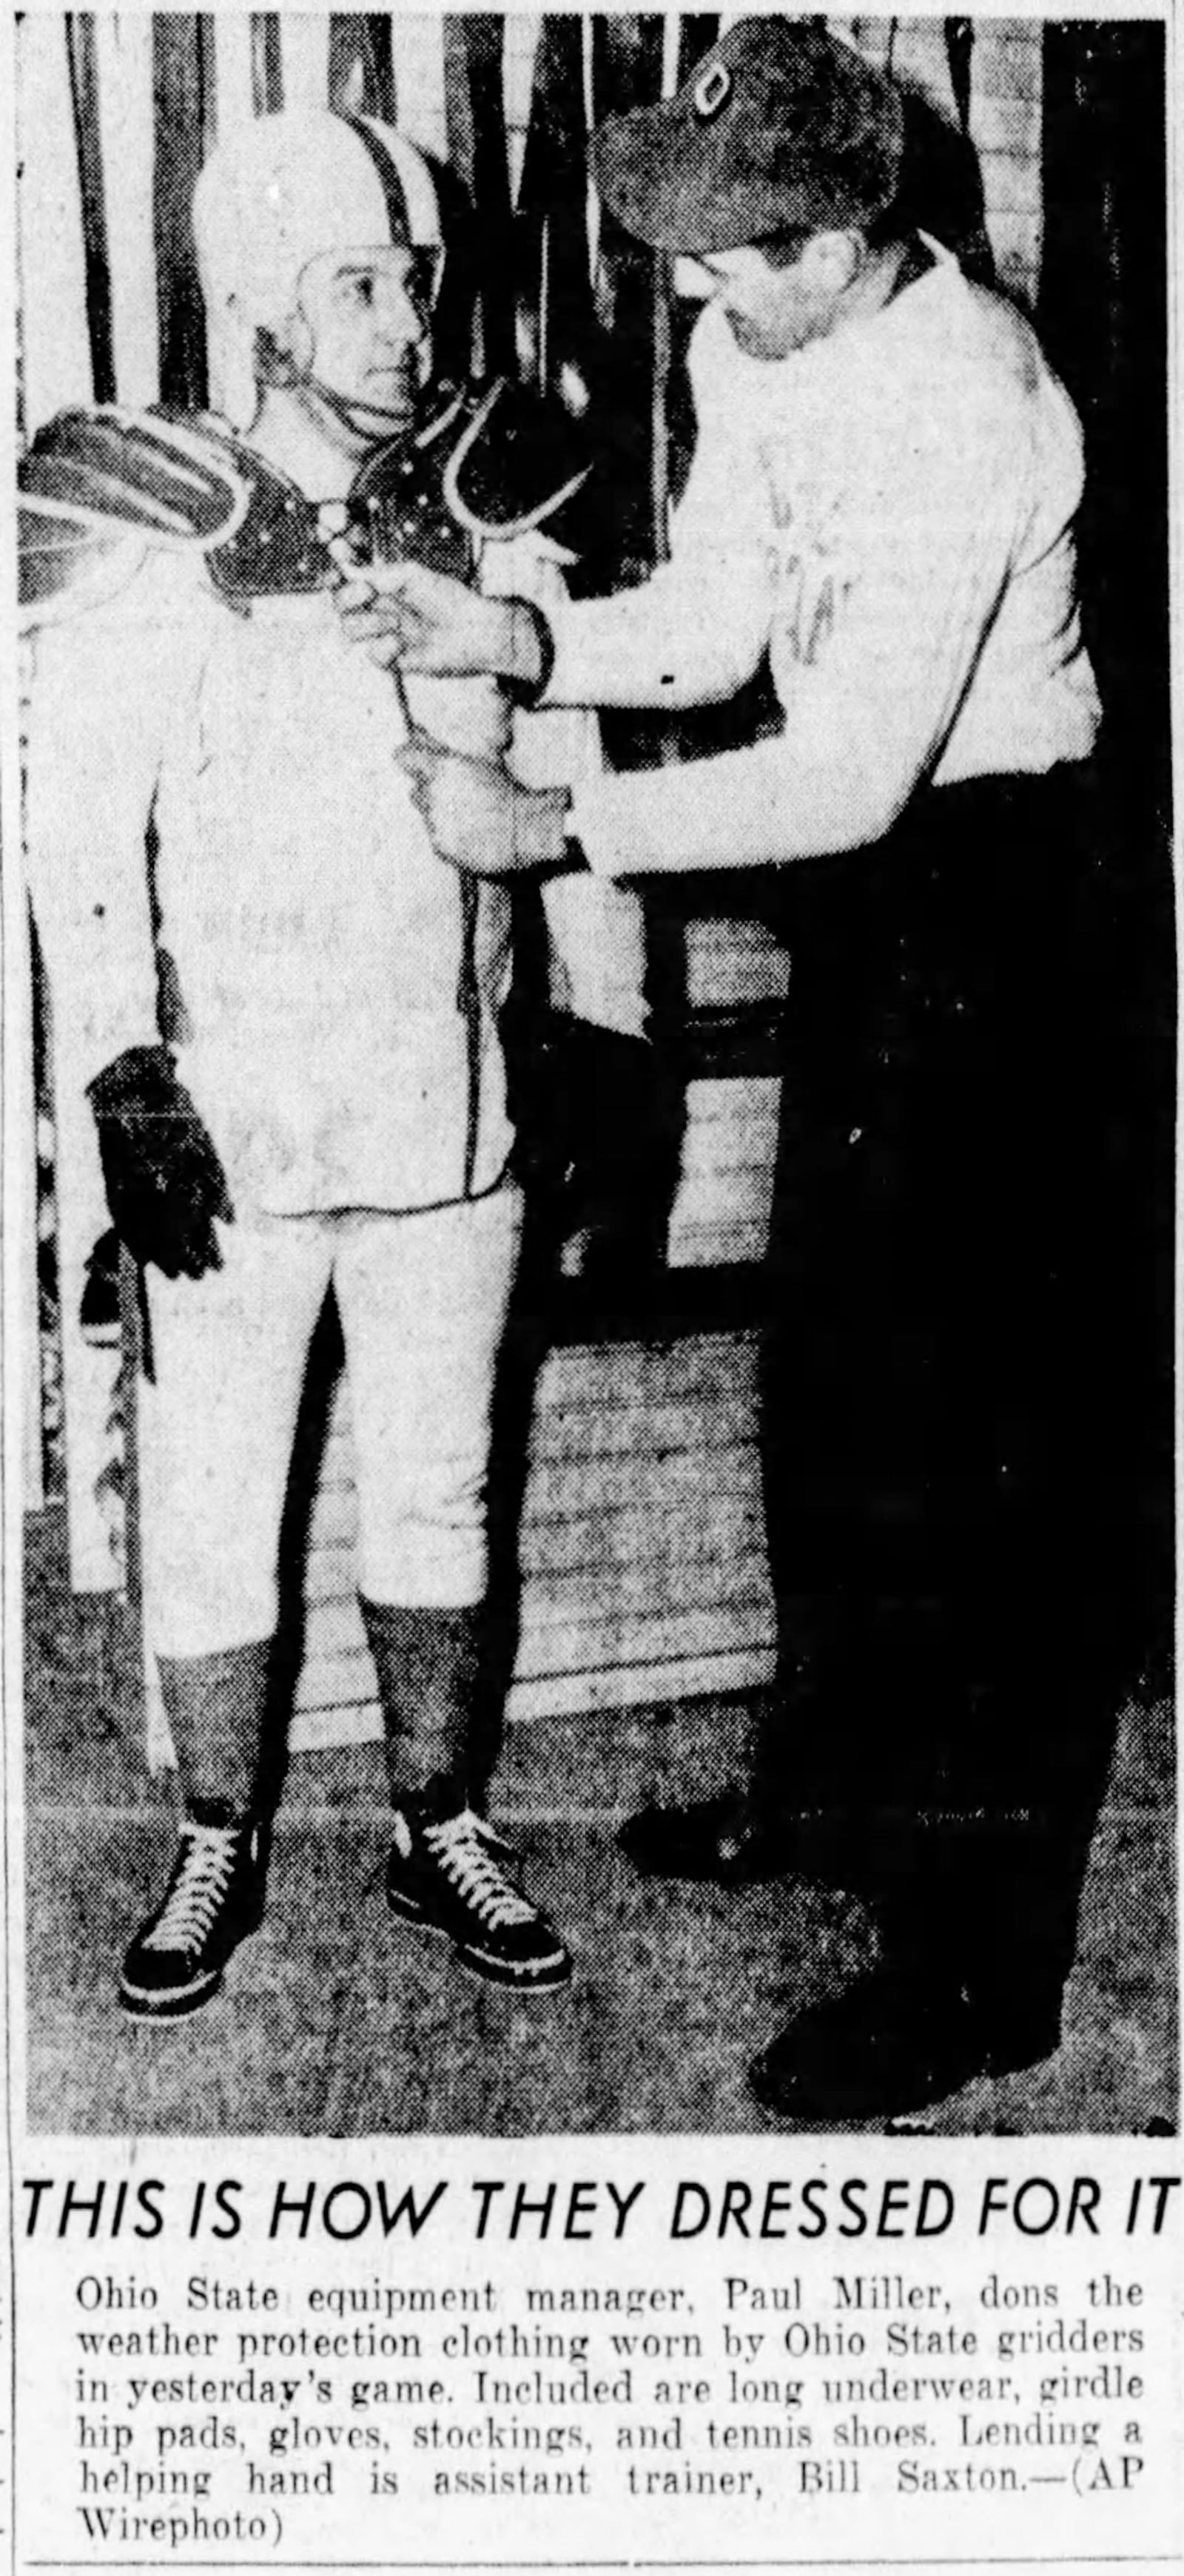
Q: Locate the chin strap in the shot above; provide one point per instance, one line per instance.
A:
(347, 412)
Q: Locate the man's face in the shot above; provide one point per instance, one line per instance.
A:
(363, 332)
(773, 310)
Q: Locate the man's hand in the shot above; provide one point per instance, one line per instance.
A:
(477, 818)
(165, 1185)
(402, 612)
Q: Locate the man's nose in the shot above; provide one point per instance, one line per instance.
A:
(400, 318)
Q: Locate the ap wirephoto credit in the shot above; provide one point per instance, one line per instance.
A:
(590, 1117)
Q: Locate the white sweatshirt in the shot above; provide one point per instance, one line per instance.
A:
(316, 945)
(888, 514)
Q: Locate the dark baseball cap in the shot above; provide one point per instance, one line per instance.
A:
(781, 128)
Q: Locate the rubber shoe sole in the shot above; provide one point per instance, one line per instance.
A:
(533, 1978)
(173, 2003)
(169, 2003)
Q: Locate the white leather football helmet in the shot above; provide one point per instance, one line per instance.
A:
(280, 192)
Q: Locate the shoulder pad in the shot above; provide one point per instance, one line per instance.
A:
(171, 477)
(276, 548)
(398, 496)
(489, 463)
(518, 459)
(94, 479)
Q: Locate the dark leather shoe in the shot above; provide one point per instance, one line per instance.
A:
(891, 2045)
(734, 1842)
(719, 1838)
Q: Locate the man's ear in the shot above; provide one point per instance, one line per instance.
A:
(692, 280)
(831, 261)
(283, 356)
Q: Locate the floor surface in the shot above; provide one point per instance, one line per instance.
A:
(336, 2020)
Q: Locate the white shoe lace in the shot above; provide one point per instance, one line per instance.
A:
(208, 1857)
(462, 1847)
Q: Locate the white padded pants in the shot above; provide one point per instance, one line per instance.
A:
(423, 1300)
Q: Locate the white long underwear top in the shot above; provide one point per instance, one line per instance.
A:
(888, 514)
(319, 953)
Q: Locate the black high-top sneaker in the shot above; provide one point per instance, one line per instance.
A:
(213, 1900)
(446, 1871)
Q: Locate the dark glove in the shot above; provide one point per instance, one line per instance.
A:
(164, 1182)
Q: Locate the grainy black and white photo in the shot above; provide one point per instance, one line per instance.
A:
(597, 1088)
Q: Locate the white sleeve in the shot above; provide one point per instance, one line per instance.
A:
(694, 633)
(598, 952)
(97, 707)
(596, 931)
(550, 746)
(874, 646)
(465, 715)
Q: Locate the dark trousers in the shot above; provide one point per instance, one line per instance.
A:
(950, 1395)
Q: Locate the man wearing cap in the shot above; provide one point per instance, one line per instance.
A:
(881, 502)
(288, 1009)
